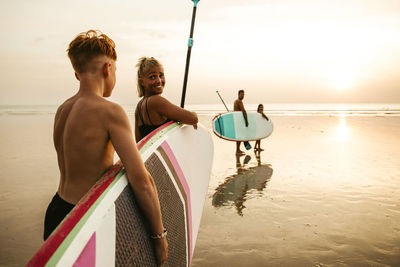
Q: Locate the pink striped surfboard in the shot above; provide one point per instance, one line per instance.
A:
(106, 227)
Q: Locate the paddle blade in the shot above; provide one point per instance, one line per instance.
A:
(247, 145)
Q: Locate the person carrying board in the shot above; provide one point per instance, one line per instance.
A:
(87, 131)
(260, 109)
(238, 106)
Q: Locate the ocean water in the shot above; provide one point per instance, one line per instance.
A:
(271, 109)
(324, 192)
(310, 109)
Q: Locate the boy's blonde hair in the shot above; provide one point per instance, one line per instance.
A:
(143, 66)
(88, 45)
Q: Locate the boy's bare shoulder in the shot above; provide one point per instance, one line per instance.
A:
(96, 107)
(111, 110)
(65, 107)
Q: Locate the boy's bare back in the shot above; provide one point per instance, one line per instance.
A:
(83, 144)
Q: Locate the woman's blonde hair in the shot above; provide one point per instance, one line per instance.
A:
(143, 66)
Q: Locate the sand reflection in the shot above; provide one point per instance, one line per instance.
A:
(342, 131)
(247, 183)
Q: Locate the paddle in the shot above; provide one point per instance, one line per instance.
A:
(246, 144)
(190, 44)
(222, 101)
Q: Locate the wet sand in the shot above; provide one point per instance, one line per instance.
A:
(330, 197)
(323, 193)
(29, 178)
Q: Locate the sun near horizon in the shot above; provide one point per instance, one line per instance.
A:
(284, 51)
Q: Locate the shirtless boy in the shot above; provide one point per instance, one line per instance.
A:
(87, 129)
(238, 106)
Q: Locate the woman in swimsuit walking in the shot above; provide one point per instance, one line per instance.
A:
(153, 110)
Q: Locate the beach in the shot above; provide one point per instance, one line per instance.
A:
(324, 192)
(330, 197)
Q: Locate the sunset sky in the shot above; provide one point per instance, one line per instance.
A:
(279, 51)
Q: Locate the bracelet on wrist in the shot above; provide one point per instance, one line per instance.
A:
(163, 234)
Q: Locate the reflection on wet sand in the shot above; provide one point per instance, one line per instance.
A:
(236, 189)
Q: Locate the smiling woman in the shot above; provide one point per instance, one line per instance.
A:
(153, 110)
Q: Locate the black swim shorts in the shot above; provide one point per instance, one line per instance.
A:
(56, 211)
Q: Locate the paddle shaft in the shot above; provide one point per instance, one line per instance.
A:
(190, 44)
(222, 101)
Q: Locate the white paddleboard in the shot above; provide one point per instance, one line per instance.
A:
(106, 227)
(232, 126)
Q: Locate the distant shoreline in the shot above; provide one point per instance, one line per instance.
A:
(269, 109)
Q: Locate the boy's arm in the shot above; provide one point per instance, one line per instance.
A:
(139, 178)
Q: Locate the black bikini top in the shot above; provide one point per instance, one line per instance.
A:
(146, 129)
